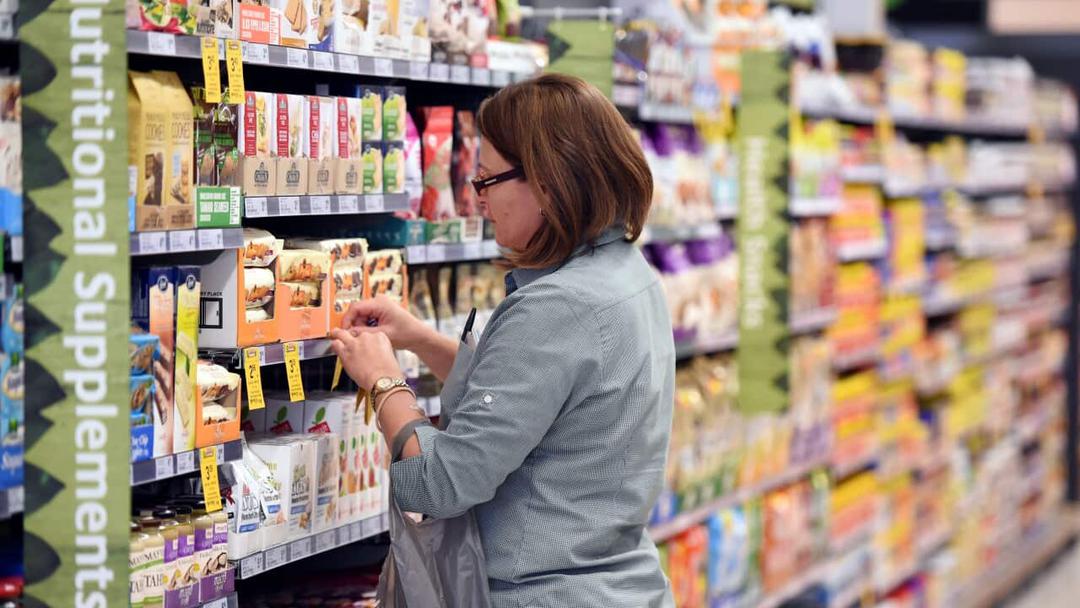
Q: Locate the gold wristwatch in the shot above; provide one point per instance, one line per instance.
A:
(384, 384)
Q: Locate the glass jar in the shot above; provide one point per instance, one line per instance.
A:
(154, 570)
(204, 539)
(136, 561)
(185, 546)
(170, 531)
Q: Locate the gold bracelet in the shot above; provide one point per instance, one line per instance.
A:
(381, 401)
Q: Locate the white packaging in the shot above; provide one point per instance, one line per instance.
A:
(328, 476)
(274, 526)
(348, 34)
(323, 413)
(291, 459)
(283, 417)
(244, 511)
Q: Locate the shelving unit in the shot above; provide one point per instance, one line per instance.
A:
(181, 463)
(328, 204)
(303, 548)
(181, 241)
(447, 253)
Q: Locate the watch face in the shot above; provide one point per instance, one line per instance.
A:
(384, 384)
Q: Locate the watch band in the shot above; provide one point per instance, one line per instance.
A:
(375, 391)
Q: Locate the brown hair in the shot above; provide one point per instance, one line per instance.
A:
(581, 159)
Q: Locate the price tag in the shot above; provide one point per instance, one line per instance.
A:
(356, 531)
(164, 468)
(16, 500)
(418, 70)
(300, 549)
(500, 78)
(338, 368)
(322, 61)
(349, 64)
(374, 203)
(296, 58)
(884, 127)
(459, 74)
(255, 206)
(292, 371)
(481, 77)
(491, 249)
(161, 44)
(213, 238)
(254, 52)
(276, 556)
(325, 541)
(152, 242)
(250, 566)
(439, 72)
(208, 468)
(320, 205)
(221, 602)
(344, 535)
(182, 240)
(211, 67)
(289, 205)
(417, 254)
(253, 378)
(436, 254)
(384, 67)
(234, 66)
(474, 251)
(185, 462)
(348, 203)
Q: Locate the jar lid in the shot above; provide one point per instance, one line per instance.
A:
(182, 509)
(149, 522)
(165, 513)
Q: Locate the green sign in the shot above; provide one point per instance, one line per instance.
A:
(218, 206)
(74, 62)
(763, 232)
(583, 48)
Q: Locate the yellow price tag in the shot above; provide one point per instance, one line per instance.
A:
(208, 470)
(292, 371)
(338, 368)
(253, 379)
(211, 69)
(234, 64)
(883, 125)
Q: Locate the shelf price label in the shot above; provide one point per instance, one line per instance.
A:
(161, 44)
(255, 52)
(182, 240)
(253, 378)
(418, 70)
(320, 205)
(209, 472)
(212, 238)
(348, 203)
(152, 242)
(289, 205)
(322, 61)
(211, 65)
(163, 468)
(439, 72)
(460, 74)
(234, 65)
(255, 206)
(292, 371)
(276, 556)
(384, 67)
(185, 462)
(296, 58)
(349, 64)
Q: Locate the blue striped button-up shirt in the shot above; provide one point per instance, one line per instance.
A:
(558, 433)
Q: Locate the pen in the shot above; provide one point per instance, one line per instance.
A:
(468, 325)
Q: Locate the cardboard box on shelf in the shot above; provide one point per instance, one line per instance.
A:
(292, 460)
(283, 416)
(348, 167)
(327, 476)
(153, 305)
(218, 18)
(179, 190)
(322, 126)
(148, 145)
(291, 136)
(413, 29)
(302, 322)
(209, 431)
(323, 17)
(258, 144)
(349, 27)
(258, 22)
(295, 19)
(253, 421)
(225, 321)
(185, 383)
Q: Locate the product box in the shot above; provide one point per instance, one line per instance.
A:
(13, 417)
(153, 306)
(141, 398)
(302, 322)
(322, 127)
(446, 231)
(413, 29)
(321, 29)
(226, 131)
(258, 144)
(225, 321)
(142, 442)
(393, 114)
(179, 189)
(244, 508)
(283, 417)
(148, 123)
(348, 29)
(372, 168)
(327, 475)
(347, 167)
(376, 450)
(217, 18)
(290, 119)
(217, 207)
(205, 163)
(389, 231)
(295, 19)
(258, 22)
(143, 350)
(212, 431)
(324, 413)
(437, 203)
(394, 167)
(185, 376)
(252, 421)
(361, 459)
(371, 109)
(382, 29)
(292, 460)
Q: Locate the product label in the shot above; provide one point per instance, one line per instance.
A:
(283, 125)
(292, 371)
(209, 471)
(313, 131)
(342, 128)
(217, 207)
(154, 575)
(250, 122)
(211, 63)
(253, 379)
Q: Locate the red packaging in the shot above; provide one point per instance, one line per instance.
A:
(466, 159)
(437, 203)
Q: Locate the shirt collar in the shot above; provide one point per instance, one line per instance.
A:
(520, 277)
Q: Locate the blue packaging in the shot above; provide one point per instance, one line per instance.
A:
(11, 212)
(142, 442)
(142, 398)
(143, 349)
(144, 281)
(12, 417)
(13, 328)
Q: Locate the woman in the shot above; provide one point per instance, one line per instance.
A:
(555, 429)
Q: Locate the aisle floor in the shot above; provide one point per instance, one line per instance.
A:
(1056, 588)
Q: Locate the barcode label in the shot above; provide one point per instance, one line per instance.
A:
(253, 52)
(322, 61)
(349, 203)
(255, 206)
(161, 44)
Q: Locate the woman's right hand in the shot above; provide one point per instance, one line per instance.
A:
(389, 317)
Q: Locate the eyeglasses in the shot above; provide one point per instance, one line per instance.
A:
(480, 183)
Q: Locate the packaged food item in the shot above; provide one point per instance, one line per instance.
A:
(465, 164)
(227, 144)
(185, 546)
(324, 14)
(141, 397)
(256, 315)
(372, 167)
(342, 251)
(295, 21)
(343, 302)
(259, 286)
(413, 29)
(258, 144)
(302, 265)
(327, 477)
(204, 537)
(414, 169)
(179, 188)
(382, 28)
(188, 295)
(216, 382)
(205, 162)
(394, 167)
(292, 136)
(448, 28)
(260, 247)
(348, 142)
(153, 587)
(148, 145)
(143, 350)
(283, 416)
(383, 261)
(303, 294)
(136, 563)
(322, 119)
(393, 114)
(292, 461)
(348, 281)
(243, 509)
(438, 144)
(216, 18)
(349, 28)
(274, 525)
(153, 302)
(371, 113)
(392, 285)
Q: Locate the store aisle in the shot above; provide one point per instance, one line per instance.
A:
(1056, 588)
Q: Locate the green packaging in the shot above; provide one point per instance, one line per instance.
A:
(394, 167)
(372, 160)
(371, 114)
(217, 207)
(393, 115)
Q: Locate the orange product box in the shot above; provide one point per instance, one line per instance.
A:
(213, 433)
(226, 322)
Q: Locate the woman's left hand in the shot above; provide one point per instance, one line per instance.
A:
(366, 357)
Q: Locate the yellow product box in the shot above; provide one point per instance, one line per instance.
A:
(185, 380)
(148, 145)
(179, 187)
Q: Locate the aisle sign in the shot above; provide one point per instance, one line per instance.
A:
(292, 371)
(77, 283)
(211, 66)
(208, 471)
(234, 64)
(253, 378)
(763, 232)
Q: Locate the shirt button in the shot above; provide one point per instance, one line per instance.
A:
(488, 398)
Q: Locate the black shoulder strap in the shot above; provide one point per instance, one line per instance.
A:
(402, 437)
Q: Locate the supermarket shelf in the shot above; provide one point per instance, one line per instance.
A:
(440, 253)
(177, 241)
(305, 547)
(808, 578)
(707, 346)
(812, 321)
(688, 520)
(867, 116)
(11, 502)
(229, 601)
(1024, 561)
(861, 252)
(326, 204)
(813, 207)
(173, 465)
(667, 234)
(170, 45)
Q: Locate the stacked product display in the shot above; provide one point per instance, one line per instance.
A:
(12, 342)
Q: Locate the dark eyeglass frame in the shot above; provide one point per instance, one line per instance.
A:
(480, 184)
